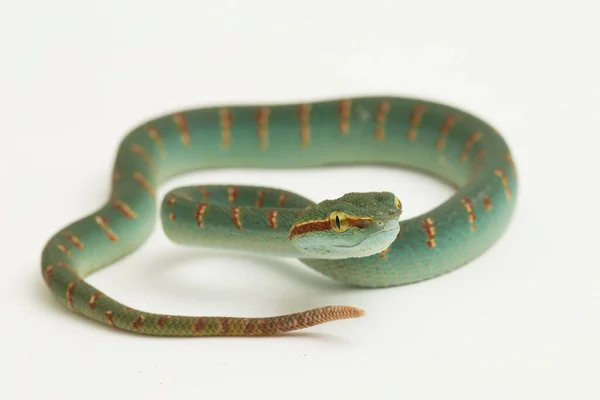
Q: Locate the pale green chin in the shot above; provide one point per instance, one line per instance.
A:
(373, 243)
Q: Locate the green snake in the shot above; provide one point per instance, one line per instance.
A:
(358, 238)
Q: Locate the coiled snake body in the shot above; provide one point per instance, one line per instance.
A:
(356, 239)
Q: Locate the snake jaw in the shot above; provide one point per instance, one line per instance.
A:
(350, 246)
(374, 243)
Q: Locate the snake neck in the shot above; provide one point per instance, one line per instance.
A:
(238, 228)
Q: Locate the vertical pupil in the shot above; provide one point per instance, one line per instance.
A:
(337, 222)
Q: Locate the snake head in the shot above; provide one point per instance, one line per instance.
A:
(354, 225)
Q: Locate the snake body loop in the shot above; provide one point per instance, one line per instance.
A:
(355, 239)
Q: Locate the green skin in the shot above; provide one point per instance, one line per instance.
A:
(378, 251)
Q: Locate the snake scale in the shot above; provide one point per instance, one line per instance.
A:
(358, 239)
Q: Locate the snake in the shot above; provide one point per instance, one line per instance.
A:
(358, 239)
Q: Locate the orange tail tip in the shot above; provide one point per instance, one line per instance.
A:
(331, 313)
(306, 319)
(353, 312)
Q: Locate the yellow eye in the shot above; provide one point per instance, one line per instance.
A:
(339, 222)
(397, 201)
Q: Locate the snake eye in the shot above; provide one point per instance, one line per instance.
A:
(339, 221)
(397, 201)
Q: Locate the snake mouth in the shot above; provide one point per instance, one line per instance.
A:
(368, 237)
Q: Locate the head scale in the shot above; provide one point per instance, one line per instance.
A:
(354, 225)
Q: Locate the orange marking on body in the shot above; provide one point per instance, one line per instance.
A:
(137, 149)
(430, 231)
(138, 322)
(144, 183)
(65, 266)
(109, 318)
(477, 161)
(445, 131)
(282, 199)
(199, 325)
(225, 117)
(319, 225)
(344, 109)
(124, 209)
(508, 157)
(416, 116)
(75, 240)
(249, 329)
(70, 292)
(235, 217)
(93, 299)
(263, 326)
(200, 214)
(272, 216)
(382, 110)
(400, 231)
(204, 193)
(502, 175)
(383, 254)
(162, 320)
(182, 124)
(172, 216)
(103, 222)
(155, 136)
(471, 140)
(223, 326)
(510, 160)
(487, 203)
(262, 119)
(260, 199)
(304, 116)
(47, 274)
(64, 249)
(232, 194)
(111, 235)
(172, 200)
(468, 203)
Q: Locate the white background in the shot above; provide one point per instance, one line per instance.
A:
(520, 322)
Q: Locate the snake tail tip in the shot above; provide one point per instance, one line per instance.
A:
(358, 312)
(352, 312)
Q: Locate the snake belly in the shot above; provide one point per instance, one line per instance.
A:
(435, 138)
